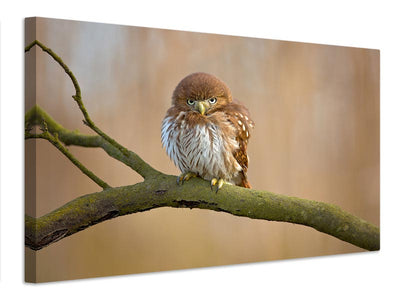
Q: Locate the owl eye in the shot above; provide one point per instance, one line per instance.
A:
(190, 101)
(213, 100)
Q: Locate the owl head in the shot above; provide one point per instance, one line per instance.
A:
(202, 93)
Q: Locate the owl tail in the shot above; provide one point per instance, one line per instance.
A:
(244, 183)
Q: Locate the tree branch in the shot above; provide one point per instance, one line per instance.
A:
(162, 191)
(53, 139)
(142, 168)
(36, 116)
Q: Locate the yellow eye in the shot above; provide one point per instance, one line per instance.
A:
(190, 101)
(213, 100)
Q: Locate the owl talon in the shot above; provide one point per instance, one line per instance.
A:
(218, 182)
(185, 177)
(213, 182)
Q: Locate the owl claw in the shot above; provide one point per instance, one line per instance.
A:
(213, 182)
(218, 182)
(185, 177)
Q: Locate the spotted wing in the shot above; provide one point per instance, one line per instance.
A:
(239, 116)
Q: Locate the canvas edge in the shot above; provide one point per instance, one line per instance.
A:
(30, 150)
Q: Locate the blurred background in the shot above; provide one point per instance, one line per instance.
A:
(316, 109)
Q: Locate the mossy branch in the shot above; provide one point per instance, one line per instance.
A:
(53, 139)
(160, 190)
(36, 116)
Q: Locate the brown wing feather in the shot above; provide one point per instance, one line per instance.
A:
(239, 117)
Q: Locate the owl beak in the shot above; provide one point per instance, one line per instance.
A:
(201, 107)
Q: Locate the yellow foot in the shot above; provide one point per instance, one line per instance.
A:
(218, 182)
(185, 177)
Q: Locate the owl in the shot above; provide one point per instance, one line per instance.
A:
(205, 132)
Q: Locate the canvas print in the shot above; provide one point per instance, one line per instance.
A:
(149, 150)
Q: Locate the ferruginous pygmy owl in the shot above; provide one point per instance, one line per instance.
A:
(205, 132)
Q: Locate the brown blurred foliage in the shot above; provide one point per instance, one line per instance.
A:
(316, 109)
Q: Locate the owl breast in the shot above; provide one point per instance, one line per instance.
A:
(205, 148)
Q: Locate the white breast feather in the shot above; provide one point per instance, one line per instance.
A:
(194, 150)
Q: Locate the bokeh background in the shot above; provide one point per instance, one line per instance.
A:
(316, 109)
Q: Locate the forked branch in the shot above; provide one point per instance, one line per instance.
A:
(36, 116)
(139, 165)
(161, 190)
(53, 139)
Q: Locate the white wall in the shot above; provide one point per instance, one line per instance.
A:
(369, 24)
